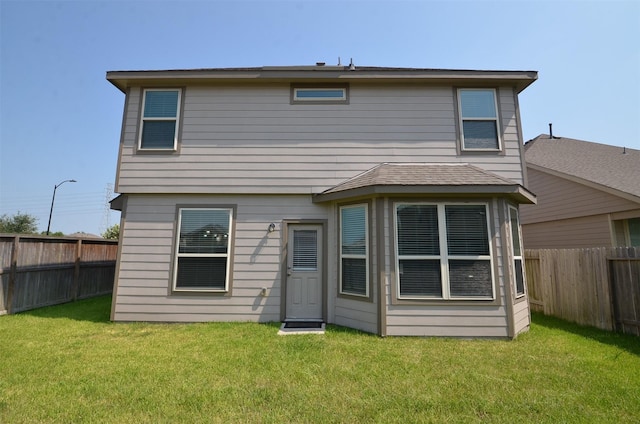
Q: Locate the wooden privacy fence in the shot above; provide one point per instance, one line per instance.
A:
(599, 287)
(39, 271)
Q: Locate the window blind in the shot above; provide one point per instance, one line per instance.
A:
(353, 230)
(418, 230)
(467, 230)
(161, 104)
(477, 103)
(305, 250)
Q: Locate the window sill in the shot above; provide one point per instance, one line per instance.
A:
(156, 151)
(443, 302)
(357, 297)
(193, 292)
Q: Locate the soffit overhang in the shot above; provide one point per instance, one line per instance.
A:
(374, 75)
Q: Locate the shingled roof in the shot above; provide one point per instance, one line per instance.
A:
(318, 73)
(423, 178)
(597, 165)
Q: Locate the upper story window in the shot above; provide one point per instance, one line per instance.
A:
(479, 119)
(159, 121)
(320, 94)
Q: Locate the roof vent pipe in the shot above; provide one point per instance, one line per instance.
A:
(352, 67)
(550, 130)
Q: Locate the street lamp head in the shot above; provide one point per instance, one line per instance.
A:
(65, 181)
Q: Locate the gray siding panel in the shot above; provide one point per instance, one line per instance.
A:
(559, 199)
(145, 263)
(251, 139)
(590, 231)
(522, 319)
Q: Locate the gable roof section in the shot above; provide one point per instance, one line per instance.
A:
(615, 170)
(519, 79)
(422, 178)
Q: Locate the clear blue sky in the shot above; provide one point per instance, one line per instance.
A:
(60, 118)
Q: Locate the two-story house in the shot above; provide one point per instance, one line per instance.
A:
(382, 199)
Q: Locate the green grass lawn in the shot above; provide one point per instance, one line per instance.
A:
(70, 364)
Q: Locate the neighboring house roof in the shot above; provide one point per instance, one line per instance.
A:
(82, 234)
(609, 168)
(519, 79)
(407, 178)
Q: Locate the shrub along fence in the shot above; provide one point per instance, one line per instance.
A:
(37, 271)
(599, 287)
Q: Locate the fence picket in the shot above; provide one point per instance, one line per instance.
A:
(45, 271)
(599, 287)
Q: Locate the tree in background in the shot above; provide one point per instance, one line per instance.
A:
(20, 223)
(112, 233)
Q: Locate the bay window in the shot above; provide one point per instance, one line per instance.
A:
(516, 252)
(443, 251)
(354, 242)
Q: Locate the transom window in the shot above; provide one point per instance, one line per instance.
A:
(202, 256)
(319, 94)
(516, 251)
(443, 251)
(354, 250)
(160, 116)
(479, 119)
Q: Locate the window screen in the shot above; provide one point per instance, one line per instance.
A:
(160, 119)
(479, 119)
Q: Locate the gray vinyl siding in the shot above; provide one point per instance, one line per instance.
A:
(568, 214)
(522, 316)
(146, 259)
(469, 320)
(559, 199)
(589, 231)
(251, 139)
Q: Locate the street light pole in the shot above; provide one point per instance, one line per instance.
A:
(53, 199)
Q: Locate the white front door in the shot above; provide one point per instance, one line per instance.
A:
(304, 272)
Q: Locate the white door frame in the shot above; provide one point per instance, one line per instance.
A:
(285, 261)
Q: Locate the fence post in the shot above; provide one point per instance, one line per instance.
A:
(12, 274)
(75, 288)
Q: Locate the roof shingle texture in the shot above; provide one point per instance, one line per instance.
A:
(610, 166)
(390, 174)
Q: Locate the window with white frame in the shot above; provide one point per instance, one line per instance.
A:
(478, 110)
(202, 253)
(159, 120)
(320, 94)
(516, 251)
(443, 251)
(354, 249)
